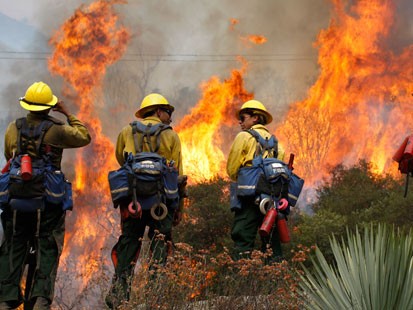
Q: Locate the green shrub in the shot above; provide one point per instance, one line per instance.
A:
(353, 196)
(370, 271)
(207, 217)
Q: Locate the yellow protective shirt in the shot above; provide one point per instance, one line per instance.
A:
(243, 149)
(170, 144)
(60, 135)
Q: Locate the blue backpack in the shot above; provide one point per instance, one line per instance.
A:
(266, 177)
(47, 182)
(145, 177)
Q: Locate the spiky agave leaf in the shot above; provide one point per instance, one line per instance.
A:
(371, 271)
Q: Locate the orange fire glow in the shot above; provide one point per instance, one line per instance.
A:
(360, 106)
(202, 131)
(233, 22)
(85, 46)
(255, 39)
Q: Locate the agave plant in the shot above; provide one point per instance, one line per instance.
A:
(373, 271)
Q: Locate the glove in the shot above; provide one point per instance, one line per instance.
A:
(182, 182)
(177, 217)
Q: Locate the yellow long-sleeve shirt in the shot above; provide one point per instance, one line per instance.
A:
(243, 149)
(170, 144)
(60, 135)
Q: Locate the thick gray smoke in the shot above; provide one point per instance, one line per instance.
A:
(175, 46)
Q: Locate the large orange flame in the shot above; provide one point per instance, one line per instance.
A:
(204, 132)
(85, 46)
(360, 106)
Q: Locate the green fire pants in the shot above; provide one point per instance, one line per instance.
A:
(21, 245)
(126, 251)
(247, 221)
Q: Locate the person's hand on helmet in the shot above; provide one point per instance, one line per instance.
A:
(60, 107)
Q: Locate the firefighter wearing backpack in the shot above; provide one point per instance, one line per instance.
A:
(135, 139)
(247, 215)
(34, 227)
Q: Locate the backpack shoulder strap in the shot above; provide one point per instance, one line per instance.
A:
(137, 127)
(146, 132)
(159, 128)
(19, 124)
(265, 144)
(41, 130)
(34, 135)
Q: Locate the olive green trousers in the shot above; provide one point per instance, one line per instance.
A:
(126, 251)
(35, 239)
(247, 221)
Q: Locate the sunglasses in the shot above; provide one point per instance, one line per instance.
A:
(169, 112)
(243, 117)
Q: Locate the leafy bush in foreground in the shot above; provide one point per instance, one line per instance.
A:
(353, 196)
(370, 271)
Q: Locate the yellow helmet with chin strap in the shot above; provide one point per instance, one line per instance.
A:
(257, 108)
(38, 97)
(152, 102)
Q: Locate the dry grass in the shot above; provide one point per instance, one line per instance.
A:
(201, 280)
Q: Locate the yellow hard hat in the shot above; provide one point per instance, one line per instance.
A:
(38, 97)
(151, 102)
(257, 108)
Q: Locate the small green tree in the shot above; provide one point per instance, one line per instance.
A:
(207, 217)
(353, 196)
(353, 189)
(373, 271)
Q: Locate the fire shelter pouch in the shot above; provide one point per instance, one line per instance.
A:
(170, 181)
(234, 201)
(247, 180)
(119, 184)
(294, 189)
(27, 205)
(55, 187)
(68, 197)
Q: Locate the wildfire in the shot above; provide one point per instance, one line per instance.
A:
(360, 106)
(203, 130)
(84, 47)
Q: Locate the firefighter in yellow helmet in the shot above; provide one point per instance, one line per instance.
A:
(33, 220)
(247, 215)
(154, 112)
